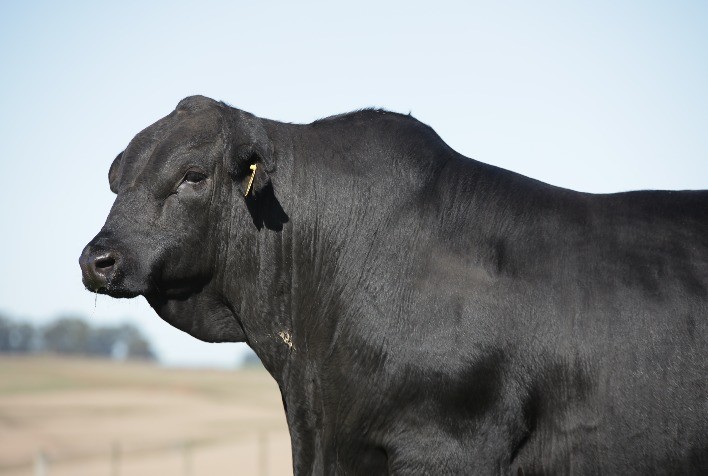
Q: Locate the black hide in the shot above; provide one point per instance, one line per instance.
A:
(422, 312)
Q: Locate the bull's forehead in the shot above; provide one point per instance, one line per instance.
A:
(165, 146)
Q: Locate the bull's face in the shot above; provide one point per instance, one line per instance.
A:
(173, 182)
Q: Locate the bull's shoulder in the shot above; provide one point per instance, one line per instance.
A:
(380, 122)
(382, 136)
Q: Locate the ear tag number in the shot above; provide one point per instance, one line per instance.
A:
(250, 181)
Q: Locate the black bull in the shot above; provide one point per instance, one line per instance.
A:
(422, 312)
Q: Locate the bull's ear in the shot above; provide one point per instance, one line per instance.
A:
(251, 170)
(250, 155)
(113, 172)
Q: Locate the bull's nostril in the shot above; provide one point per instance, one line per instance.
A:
(105, 262)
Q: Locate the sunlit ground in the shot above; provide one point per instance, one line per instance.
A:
(95, 417)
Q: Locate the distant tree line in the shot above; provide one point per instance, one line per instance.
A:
(74, 336)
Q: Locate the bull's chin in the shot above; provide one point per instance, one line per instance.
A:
(119, 292)
(122, 293)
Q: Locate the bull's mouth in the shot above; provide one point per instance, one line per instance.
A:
(107, 271)
(179, 289)
(110, 289)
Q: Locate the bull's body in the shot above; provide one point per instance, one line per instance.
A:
(424, 313)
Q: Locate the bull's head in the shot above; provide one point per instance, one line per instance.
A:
(181, 186)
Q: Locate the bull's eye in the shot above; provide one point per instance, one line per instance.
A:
(194, 177)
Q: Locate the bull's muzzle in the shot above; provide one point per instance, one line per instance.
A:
(98, 267)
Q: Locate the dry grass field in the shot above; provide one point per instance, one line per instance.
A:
(94, 417)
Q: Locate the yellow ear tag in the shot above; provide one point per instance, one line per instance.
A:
(250, 182)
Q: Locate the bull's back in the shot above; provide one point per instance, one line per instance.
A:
(618, 288)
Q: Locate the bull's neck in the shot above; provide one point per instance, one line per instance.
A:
(257, 276)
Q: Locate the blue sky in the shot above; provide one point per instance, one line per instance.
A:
(599, 97)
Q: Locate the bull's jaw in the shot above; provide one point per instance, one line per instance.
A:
(203, 315)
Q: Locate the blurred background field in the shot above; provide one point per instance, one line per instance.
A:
(90, 416)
